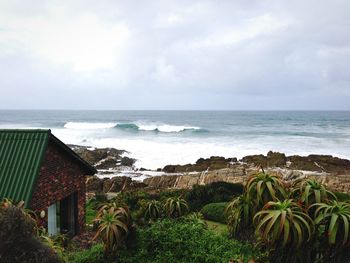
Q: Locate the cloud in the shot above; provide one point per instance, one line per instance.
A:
(237, 55)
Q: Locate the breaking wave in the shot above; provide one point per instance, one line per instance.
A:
(156, 127)
(166, 128)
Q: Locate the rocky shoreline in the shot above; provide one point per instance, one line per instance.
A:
(117, 172)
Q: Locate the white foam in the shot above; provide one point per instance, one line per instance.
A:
(165, 127)
(154, 152)
(89, 125)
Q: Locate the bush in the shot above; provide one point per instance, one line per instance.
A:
(94, 254)
(182, 240)
(18, 241)
(201, 195)
(215, 212)
(342, 196)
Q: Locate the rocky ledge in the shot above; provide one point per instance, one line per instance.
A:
(104, 158)
(111, 163)
(318, 163)
(332, 171)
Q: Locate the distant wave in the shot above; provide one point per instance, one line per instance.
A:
(166, 128)
(156, 127)
(89, 125)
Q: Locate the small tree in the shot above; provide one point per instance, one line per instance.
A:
(153, 210)
(263, 187)
(310, 192)
(113, 226)
(175, 207)
(333, 222)
(239, 216)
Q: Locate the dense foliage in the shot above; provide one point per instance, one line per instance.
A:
(113, 226)
(19, 241)
(94, 254)
(215, 212)
(201, 195)
(301, 223)
(183, 240)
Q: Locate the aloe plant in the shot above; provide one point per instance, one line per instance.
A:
(239, 214)
(153, 210)
(175, 207)
(264, 187)
(113, 225)
(335, 217)
(311, 191)
(283, 223)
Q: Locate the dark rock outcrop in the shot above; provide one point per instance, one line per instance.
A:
(114, 184)
(94, 184)
(326, 163)
(319, 163)
(212, 163)
(103, 158)
(258, 160)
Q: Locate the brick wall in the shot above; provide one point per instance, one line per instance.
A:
(59, 177)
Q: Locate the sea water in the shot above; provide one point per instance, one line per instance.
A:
(158, 138)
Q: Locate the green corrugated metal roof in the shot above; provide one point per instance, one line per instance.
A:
(21, 154)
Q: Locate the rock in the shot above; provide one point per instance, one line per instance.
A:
(116, 184)
(126, 161)
(258, 160)
(212, 163)
(302, 163)
(164, 181)
(94, 184)
(276, 159)
(136, 185)
(103, 158)
(105, 164)
(234, 174)
(326, 163)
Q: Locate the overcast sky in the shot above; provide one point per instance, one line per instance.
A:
(230, 55)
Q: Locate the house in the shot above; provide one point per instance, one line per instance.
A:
(47, 175)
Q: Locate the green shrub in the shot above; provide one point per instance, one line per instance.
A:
(182, 240)
(215, 212)
(18, 241)
(201, 195)
(342, 196)
(91, 211)
(94, 254)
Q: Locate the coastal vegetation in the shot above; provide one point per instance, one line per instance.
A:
(266, 220)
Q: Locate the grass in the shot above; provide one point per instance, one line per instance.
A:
(90, 213)
(216, 227)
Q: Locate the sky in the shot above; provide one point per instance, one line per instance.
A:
(175, 55)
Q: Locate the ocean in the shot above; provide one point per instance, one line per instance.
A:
(158, 138)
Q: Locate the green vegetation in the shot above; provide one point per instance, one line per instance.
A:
(262, 188)
(342, 196)
(269, 221)
(90, 212)
(153, 210)
(19, 237)
(183, 241)
(216, 192)
(94, 254)
(175, 207)
(113, 226)
(312, 227)
(218, 228)
(283, 223)
(215, 212)
(311, 192)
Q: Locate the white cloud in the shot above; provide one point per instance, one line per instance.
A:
(229, 50)
(83, 44)
(263, 25)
